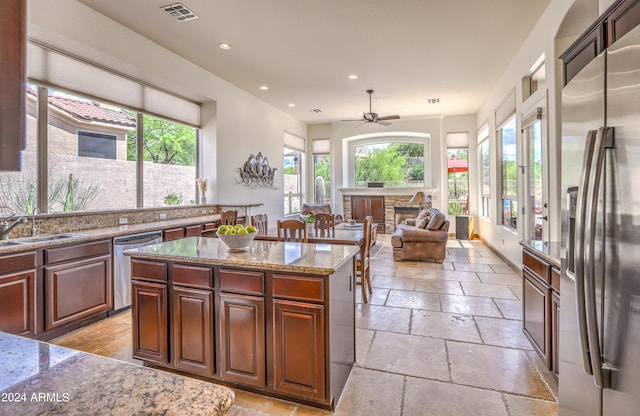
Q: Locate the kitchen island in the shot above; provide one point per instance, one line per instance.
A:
(43, 379)
(277, 319)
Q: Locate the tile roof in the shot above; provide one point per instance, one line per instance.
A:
(92, 111)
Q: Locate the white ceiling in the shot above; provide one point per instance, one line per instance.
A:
(406, 50)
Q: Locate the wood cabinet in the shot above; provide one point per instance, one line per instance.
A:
(149, 314)
(17, 293)
(12, 77)
(192, 330)
(173, 234)
(299, 352)
(77, 283)
(361, 206)
(541, 306)
(622, 19)
(193, 230)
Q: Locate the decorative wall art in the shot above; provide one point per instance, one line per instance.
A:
(256, 172)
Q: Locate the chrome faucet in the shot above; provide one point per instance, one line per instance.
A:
(5, 227)
(34, 230)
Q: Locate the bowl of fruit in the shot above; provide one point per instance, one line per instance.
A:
(236, 237)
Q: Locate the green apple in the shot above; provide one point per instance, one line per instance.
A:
(242, 231)
(223, 229)
(231, 231)
(251, 229)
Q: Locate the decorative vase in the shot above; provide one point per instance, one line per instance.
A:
(203, 200)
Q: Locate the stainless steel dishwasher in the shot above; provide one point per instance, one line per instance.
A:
(122, 266)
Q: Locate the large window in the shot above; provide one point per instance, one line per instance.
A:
(458, 181)
(322, 181)
(509, 158)
(485, 178)
(292, 174)
(19, 190)
(169, 154)
(535, 206)
(389, 165)
(76, 133)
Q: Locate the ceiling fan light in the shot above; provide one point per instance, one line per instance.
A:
(353, 76)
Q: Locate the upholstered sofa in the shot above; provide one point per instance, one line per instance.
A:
(422, 238)
(315, 208)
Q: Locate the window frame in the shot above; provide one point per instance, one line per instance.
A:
(508, 199)
(485, 198)
(300, 182)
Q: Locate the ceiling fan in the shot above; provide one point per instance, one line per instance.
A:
(372, 117)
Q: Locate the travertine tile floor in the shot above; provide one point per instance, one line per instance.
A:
(435, 339)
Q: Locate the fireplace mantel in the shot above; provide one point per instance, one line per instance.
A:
(386, 191)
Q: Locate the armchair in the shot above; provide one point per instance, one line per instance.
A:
(424, 238)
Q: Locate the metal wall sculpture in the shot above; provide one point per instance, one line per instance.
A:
(256, 172)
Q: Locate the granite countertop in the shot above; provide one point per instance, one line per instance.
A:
(109, 232)
(323, 259)
(549, 250)
(42, 379)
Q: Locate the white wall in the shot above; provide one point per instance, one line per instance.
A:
(540, 40)
(234, 122)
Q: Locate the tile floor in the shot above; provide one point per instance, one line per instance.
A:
(435, 339)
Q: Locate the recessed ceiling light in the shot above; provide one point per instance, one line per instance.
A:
(224, 45)
(433, 100)
(264, 87)
(292, 105)
(353, 76)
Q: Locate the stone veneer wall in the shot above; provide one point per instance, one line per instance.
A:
(70, 222)
(390, 202)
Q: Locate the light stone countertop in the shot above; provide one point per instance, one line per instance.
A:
(108, 232)
(323, 259)
(38, 378)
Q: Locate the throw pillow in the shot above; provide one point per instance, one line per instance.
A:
(422, 219)
(436, 222)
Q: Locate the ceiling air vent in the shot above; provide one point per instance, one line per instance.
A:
(180, 12)
(316, 110)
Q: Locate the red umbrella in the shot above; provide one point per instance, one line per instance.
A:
(457, 165)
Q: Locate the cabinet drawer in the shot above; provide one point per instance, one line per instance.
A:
(298, 287)
(78, 251)
(210, 226)
(148, 270)
(193, 230)
(17, 262)
(193, 276)
(540, 268)
(555, 279)
(173, 234)
(240, 281)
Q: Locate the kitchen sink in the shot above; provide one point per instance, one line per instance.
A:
(6, 243)
(50, 237)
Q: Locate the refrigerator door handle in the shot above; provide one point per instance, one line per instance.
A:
(579, 252)
(604, 139)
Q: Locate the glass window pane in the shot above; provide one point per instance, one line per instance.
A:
(292, 174)
(535, 181)
(169, 168)
(458, 181)
(80, 178)
(509, 159)
(322, 175)
(20, 189)
(392, 164)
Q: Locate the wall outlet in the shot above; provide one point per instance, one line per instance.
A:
(123, 221)
(163, 216)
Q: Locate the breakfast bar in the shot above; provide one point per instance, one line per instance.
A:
(277, 319)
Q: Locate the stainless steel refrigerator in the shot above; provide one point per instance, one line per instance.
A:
(599, 342)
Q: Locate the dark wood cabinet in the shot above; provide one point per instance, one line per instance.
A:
(192, 330)
(193, 230)
(149, 311)
(12, 76)
(622, 19)
(299, 352)
(77, 283)
(17, 293)
(242, 339)
(541, 306)
(361, 206)
(173, 234)
(77, 290)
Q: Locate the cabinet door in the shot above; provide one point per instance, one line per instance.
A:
(555, 332)
(77, 290)
(359, 207)
(376, 208)
(299, 349)
(150, 321)
(173, 234)
(193, 230)
(193, 348)
(17, 301)
(242, 339)
(535, 318)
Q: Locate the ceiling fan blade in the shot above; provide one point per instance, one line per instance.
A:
(384, 123)
(395, 117)
(354, 119)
